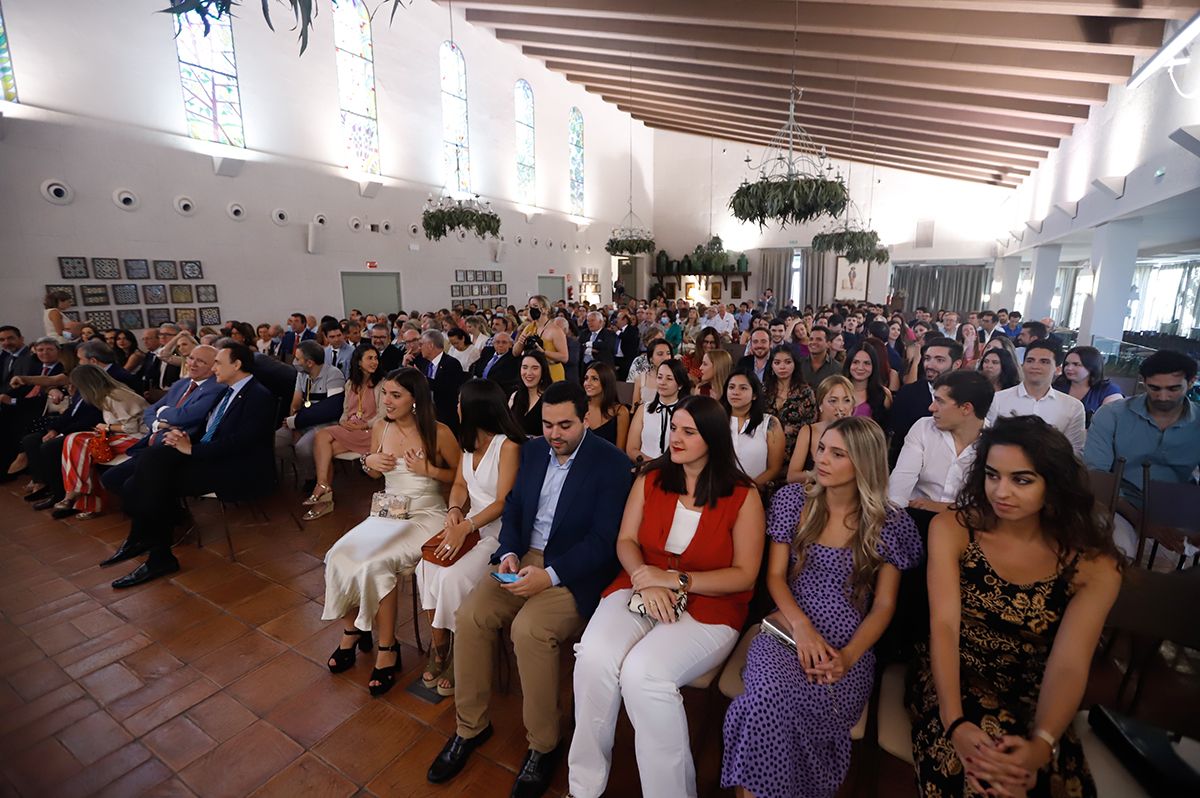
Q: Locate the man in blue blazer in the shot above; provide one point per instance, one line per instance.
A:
(297, 331)
(558, 535)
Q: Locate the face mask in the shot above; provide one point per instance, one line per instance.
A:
(535, 313)
(664, 321)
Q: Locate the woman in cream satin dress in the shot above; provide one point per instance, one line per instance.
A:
(416, 456)
(490, 440)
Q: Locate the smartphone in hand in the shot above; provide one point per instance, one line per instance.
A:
(505, 579)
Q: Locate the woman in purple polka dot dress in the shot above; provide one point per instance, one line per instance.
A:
(834, 572)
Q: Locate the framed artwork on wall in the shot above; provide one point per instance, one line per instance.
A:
(669, 290)
(210, 317)
(689, 292)
(504, 288)
(100, 319)
(192, 270)
(66, 288)
(735, 289)
(185, 314)
(131, 319)
(456, 290)
(73, 268)
(182, 294)
(137, 269)
(206, 293)
(155, 294)
(504, 301)
(460, 275)
(157, 316)
(73, 315)
(125, 294)
(714, 291)
(106, 268)
(165, 270)
(94, 295)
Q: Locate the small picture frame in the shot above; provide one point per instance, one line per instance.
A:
(185, 314)
(137, 269)
(503, 302)
(156, 317)
(456, 290)
(689, 292)
(106, 268)
(714, 291)
(126, 294)
(460, 275)
(182, 294)
(100, 319)
(210, 317)
(503, 288)
(166, 270)
(66, 288)
(735, 289)
(73, 268)
(154, 294)
(131, 319)
(497, 276)
(94, 295)
(206, 293)
(669, 289)
(73, 315)
(191, 270)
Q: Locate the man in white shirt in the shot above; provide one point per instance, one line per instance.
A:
(939, 449)
(949, 324)
(723, 322)
(1035, 397)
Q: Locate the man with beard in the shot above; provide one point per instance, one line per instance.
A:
(938, 356)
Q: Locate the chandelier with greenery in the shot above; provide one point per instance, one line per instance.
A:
(631, 237)
(445, 215)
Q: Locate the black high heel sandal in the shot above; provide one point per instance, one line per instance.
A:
(343, 658)
(385, 676)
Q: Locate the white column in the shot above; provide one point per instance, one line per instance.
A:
(1114, 256)
(1004, 274)
(1045, 272)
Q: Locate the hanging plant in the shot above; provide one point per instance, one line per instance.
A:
(793, 200)
(857, 246)
(439, 222)
(629, 246)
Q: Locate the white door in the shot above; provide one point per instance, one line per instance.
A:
(370, 292)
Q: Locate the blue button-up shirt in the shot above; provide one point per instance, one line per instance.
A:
(1125, 429)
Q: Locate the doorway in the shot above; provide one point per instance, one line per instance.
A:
(377, 292)
(553, 287)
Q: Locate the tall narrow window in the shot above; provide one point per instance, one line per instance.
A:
(8, 83)
(526, 160)
(456, 155)
(208, 73)
(356, 84)
(576, 139)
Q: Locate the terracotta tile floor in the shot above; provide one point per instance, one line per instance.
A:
(213, 682)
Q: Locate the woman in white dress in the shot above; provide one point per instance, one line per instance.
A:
(651, 425)
(644, 387)
(758, 438)
(490, 440)
(416, 456)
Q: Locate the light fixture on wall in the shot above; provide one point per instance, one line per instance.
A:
(369, 188)
(227, 167)
(1187, 137)
(1071, 209)
(126, 200)
(1114, 187)
(1169, 56)
(58, 192)
(1035, 225)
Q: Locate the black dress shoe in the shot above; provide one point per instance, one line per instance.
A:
(48, 502)
(38, 495)
(453, 758)
(127, 551)
(536, 772)
(144, 573)
(63, 512)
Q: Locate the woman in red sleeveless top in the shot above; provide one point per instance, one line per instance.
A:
(693, 525)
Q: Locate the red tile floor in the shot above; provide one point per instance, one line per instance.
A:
(213, 682)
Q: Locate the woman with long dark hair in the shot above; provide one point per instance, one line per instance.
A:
(526, 401)
(837, 549)
(490, 441)
(789, 398)
(416, 456)
(998, 366)
(1083, 377)
(650, 428)
(644, 384)
(129, 353)
(871, 396)
(709, 340)
(690, 545)
(1022, 575)
(758, 438)
(606, 416)
(352, 433)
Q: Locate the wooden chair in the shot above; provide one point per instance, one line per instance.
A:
(1170, 517)
(625, 393)
(1106, 487)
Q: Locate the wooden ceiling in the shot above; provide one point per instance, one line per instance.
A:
(977, 90)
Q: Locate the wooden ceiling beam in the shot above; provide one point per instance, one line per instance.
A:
(1142, 9)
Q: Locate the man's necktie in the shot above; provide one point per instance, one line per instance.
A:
(215, 421)
(429, 371)
(191, 387)
(488, 367)
(335, 359)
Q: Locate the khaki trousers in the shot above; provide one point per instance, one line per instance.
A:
(539, 624)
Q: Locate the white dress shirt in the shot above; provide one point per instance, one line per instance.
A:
(1061, 411)
(929, 466)
(723, 324)
(465, 357)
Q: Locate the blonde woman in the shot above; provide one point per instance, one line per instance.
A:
(834, 567)
(835, 399)
(481, 334)
(123, 426)
(715, 368)
(553, 339)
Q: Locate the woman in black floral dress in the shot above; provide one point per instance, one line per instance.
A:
(791, 400)
(1021, 578)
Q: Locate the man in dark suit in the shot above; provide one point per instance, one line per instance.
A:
(390, 355)
(558, 535)
(44, 450)
(758, 361)
(98, 353)
(15, 357)
(231, 457)
(939, 356)
(297, 331)
(445, 376)
(497, 363)
(629, 343)
(24, 399)
(599, 343)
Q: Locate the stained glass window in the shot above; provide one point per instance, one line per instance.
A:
(576, 139)
(7, 82)
(208, 72)
(526, 160)
(456, 156)
(356, 84)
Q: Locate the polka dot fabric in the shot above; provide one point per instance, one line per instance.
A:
(785, 737)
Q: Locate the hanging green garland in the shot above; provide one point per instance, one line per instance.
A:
(629, 246)
(440, 222)
(857, 246)
(788, 200)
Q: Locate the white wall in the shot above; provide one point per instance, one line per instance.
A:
(101, 108)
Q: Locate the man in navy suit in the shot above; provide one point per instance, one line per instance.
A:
(445, 375)
(599, 343)
(938, 356)
(558, 535)
(230, 455)
(498, 364)
(297, 331)
(24, 399)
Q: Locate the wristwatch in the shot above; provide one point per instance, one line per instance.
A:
(685, 581)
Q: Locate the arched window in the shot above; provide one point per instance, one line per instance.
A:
(356, 84)
(576, 140)
(526, 160)
(456, 155)
(208, 73)
(8, 83)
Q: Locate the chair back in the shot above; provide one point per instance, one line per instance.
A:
(1149, 606)
(1106, 487)
(625, 393)
(1170, 513)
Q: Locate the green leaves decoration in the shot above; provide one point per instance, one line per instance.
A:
(857, 246)
(440, 222)
(711, 257)
(788, 200)
(629, 246)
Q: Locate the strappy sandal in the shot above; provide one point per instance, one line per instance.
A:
(343, 659)
(447, 676)
(320, 509)
(318, 498)
(385, 676)
(436, 665)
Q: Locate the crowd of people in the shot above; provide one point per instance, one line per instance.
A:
(824, 464)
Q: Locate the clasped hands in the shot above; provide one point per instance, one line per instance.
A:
(1009, 764)
(531, 579)
(822, 663)
(656, 586)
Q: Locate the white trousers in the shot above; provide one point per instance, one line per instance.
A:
(625, 656)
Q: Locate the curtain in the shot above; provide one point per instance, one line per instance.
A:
(957, 288)
(776, 273)
(816, 285)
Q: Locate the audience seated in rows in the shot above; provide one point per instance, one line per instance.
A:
(1035, 396)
